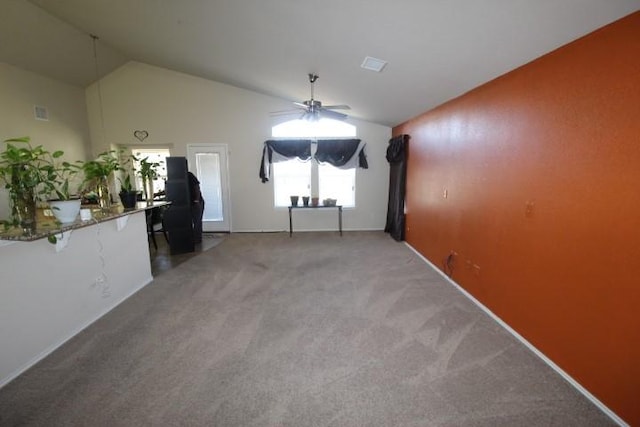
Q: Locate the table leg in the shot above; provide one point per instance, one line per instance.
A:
(290, 223)
(340, 219)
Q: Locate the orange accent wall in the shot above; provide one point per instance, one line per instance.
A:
(533, 181)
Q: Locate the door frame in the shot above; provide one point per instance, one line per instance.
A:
(225, 180)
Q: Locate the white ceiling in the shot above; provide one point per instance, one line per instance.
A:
(437, 49)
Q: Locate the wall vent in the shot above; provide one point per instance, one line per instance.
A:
(41, 113)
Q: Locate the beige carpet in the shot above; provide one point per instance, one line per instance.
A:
(313, 330)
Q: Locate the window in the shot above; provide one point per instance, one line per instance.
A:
(337, 184)
(291, 178)
(323, 128)
(297, 178)
(208, 169)
(154, 155)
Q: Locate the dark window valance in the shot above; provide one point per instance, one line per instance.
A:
(341, 153)
(397, 149)
(280, 150)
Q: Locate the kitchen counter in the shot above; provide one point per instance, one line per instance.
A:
(47, 225)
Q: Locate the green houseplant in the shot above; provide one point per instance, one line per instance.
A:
(67, 205)
(29, 174)
(65, 177)
(128, 194)
(148, 171)
(97, 173)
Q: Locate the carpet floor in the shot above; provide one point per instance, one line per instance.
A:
(313, 330)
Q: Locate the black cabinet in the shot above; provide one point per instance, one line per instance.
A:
(177, 219)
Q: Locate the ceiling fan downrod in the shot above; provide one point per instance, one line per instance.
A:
(312, 80)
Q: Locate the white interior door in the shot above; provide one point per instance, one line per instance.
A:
(209, 163)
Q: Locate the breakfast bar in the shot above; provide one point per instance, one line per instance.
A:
(52, 290)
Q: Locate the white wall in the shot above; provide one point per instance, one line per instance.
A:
(48, 296)
(67, 128)
(178, 109)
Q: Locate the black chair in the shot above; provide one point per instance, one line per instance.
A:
(155, 223)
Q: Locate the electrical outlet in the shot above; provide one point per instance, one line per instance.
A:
(528, 210)
(476, 270)
(445, 193)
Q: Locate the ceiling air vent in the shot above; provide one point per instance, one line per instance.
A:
(373, 64)
(41, 113)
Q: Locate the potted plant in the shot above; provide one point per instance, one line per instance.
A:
(29, 175)
(148, 172)
(97, 173)
(67, 205)
(128, 194)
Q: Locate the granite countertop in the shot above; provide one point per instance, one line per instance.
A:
(47, 225)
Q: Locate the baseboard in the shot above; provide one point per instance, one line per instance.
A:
(306, 230)
(614, 417)
(73, 333)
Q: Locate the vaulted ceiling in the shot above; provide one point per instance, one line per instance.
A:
(436, 49)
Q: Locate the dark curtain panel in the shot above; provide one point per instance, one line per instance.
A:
(397, 158)
(289, 148)
(337, 152)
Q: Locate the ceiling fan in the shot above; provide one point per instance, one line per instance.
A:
(312, 110)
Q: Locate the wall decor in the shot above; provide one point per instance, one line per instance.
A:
(140, 135)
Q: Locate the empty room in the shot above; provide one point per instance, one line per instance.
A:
(297, 213)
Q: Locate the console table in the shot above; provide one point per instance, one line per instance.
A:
(338, 207)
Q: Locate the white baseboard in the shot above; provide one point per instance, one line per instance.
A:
(72, 334)
(530, 346)
(301, 230)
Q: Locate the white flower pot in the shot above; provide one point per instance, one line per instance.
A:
(65, 211)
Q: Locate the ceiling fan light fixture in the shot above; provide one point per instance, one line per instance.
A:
(313, 110)
(373, 64)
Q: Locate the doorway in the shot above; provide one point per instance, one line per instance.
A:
(209, 162)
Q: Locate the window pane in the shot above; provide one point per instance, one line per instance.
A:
(208, 169)
(154, 155)
(291, 178)
(323, 128)
(337, 184)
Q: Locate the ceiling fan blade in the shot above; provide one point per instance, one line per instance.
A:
(283, 113)
(332, 114)
(337, 107)
(300, 104)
